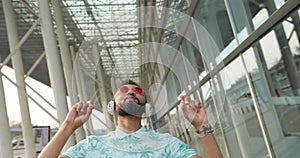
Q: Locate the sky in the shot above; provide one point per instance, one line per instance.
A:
(38, 116)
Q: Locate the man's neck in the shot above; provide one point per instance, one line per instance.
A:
(129, 124)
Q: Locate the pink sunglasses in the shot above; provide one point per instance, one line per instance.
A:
(136, 90)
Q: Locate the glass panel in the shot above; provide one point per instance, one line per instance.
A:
(181, 5)
(159, 7)
(172, 23)
(241, 128)
(273, 63)
(193, 55)
(212, 15)
(211, 97)
(250, 14)
(240, 12)
(280, 49)
(169, 37)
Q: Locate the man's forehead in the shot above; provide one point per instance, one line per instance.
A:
(130, 85)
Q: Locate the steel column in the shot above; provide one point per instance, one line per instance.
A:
(30, 97)
(19, 72)
(54, 64)
(78, 90)
(35, 64)
(100, 77)
(82, 89)
(64, 48)
(5, 136)
(259, 113)
(65, 55)
(18, 45)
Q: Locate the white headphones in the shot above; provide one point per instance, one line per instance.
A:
(148, 109)
(111, 107)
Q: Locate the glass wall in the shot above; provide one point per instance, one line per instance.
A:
(273, 65)
(251, 87)
(243, 124)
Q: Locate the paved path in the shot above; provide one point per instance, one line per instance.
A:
(19, 153)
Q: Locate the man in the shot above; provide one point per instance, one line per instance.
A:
(131, 139)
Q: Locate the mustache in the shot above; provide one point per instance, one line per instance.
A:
(132, 96)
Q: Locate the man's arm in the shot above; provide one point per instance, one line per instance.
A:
(195, 113)
(79, 114)
(54, 147)
(210, 146)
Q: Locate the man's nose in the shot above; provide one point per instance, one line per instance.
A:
(131, 92)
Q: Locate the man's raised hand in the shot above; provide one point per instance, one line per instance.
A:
(193, 111)
(79, 113)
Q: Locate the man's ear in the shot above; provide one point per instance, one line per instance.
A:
(111, 107)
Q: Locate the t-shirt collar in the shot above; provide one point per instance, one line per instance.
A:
(138, 134)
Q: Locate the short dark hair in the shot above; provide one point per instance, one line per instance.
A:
(126, 82)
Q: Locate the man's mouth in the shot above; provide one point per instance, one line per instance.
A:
(131, 99)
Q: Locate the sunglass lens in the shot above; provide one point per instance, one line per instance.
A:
(138, 90)
(124, 89)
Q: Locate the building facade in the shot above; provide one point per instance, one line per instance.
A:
(241, 59)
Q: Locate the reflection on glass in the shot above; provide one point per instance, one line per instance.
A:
(282, 58)
(181, 6)
(212, 15)
(249, 15)
(273, 64)
(242, 129)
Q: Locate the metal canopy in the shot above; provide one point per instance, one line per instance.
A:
(112, 23)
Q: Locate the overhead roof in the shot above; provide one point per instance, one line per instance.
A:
(113, 23)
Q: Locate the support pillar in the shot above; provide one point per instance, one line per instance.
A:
(66, 57)
(100, 77)
(81, 82)
(54, 64)
(17, 63)
(5, 136)
(80, 92)
(287, 56)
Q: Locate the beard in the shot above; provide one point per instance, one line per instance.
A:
(131, 109)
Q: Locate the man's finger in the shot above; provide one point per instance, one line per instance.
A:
(83, 108)
(90, 108)
(182, 98)
(187, 100)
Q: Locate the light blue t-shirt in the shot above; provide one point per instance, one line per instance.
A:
(140, 144)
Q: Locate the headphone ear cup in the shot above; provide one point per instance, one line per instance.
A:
(148, 109)
(111, 107)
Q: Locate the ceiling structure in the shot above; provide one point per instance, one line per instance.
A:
(112, 23)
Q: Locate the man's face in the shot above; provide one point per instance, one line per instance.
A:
(130, 100)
